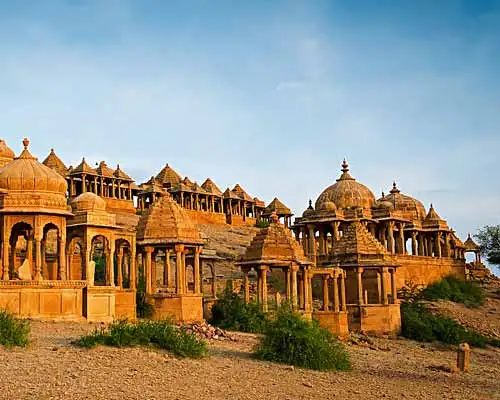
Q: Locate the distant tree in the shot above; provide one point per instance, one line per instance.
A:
(488, 239)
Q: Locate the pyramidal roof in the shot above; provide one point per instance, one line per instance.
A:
(104, 170)
(274, 244)
(168, 175)
(432, 215)
(278, 207)
(356, 240)
(83, 168)
(433, 220)
(54, 162)
(238, 190)
(165, 222)
(120, 174)
(211, 187)
(470, 245)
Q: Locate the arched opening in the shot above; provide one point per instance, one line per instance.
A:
(99, 254)
(76, 258)
(21, 244)
(50, 252)
(122, 262)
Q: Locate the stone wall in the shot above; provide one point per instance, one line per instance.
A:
(426, 270)
(206, 217)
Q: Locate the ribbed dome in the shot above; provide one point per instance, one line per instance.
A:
(25, 173)
(410, 208)
(88, 201)
(6, 153)
(346, 193)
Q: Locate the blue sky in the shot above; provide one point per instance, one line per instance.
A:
(268, 94)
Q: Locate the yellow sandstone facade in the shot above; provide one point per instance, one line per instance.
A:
(75, 243)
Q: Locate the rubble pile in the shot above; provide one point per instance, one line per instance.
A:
(202, 330)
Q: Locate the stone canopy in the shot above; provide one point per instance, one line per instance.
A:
(165, 222)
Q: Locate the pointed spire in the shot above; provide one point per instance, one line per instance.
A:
(310, 204)
(432, 215)
(26, 153)
(394, 188)
(345, 172)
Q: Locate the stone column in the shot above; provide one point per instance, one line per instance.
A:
(359, 275)
(335, 226)
(447, 247)
(133, 267)
(294, 269)
(197, 283)
(438, 244)
(263, 272)
(111, 262)
(184, 271)
(312, 243)
(326, 300)
(61, 242)
(382, 286)
(166, 269)
(402, 244)
(306, 281)
(413, 243)
(246, 285)
(5, 258)
(288, 275)
(342, 291)
(84, 184)
(119, 267)
(29, 251)
(390, 237)
(393, 285)
(321, 243)
(38, 259)
(336, 307)
(301, 291)
(148, 269)
(179, 287)
(379, 286)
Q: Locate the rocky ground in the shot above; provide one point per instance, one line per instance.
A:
(51, 368)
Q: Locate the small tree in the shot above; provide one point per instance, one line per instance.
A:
(489, 242)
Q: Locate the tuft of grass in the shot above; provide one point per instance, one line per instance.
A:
(289, 339)
(455, 289)
(161, 334)
(13, 331)
(420, 324)
(231, 312)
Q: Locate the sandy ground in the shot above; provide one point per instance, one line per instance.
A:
(51, 368)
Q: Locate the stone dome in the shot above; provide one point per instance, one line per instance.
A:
(383, 203)
(328, 206)
(6, 153)
(25, 173)
(410, 208)
(309, 211)
(88, 201)
(346, 193)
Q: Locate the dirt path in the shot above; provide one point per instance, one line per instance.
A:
(51, 368)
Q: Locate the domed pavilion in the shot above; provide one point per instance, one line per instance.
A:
(6, 154)
(166, 233)
(420, 244)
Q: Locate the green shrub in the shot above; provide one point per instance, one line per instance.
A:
(13, 331)
(289, 339)
(419, 323)
(160, 334)
(262, 223)
(231, 312)
(455, 289)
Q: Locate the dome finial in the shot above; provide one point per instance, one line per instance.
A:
(383, 195)
(310, 203)
(26, 143)
(394, 188)
(345, 166)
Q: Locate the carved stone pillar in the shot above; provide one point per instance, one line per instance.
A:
(393, 285)
(119, 267)
(413, 243)
(61, 242)
(312, 242)
(246, 285)
(263, 278)
(179, 280)
(402, 245)
(38, 260)
(133, 267)
(342, 291)
(438, 244)
(148, 269)
(382, 285)
(336, 307)
(294, 269)
(390, 237)
(197, 283)
(359, 276)
(326, 300)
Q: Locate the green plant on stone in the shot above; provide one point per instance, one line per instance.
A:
(144, 309)
(13, 331)
(290, 339)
